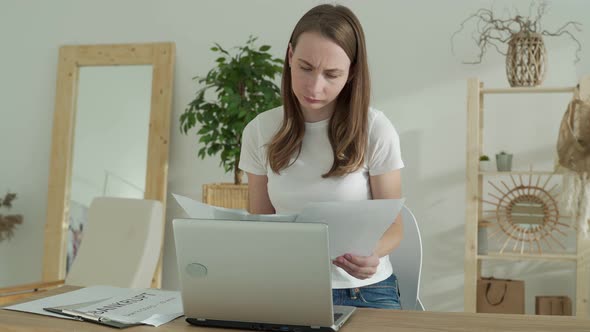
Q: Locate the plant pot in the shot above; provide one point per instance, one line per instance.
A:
(504, 162)
(486, 166)
(227, 195)
(482, 239)
(526, 60)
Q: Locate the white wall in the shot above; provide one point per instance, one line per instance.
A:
(417, 82)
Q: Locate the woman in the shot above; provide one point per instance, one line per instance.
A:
(326, 144)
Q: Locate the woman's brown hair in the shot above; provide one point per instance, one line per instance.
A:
(348, 125)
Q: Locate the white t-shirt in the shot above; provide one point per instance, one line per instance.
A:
(302, 182)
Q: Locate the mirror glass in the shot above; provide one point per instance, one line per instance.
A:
(109, 156)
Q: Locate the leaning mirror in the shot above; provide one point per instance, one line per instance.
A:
(110, 137)
(110, 141)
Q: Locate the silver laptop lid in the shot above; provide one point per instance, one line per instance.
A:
(261, 272)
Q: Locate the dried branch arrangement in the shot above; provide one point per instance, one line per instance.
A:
(519, 38)
(8, 222)
(494, 32)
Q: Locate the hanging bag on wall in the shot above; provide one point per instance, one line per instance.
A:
(503, 296)
(573, 151)
(573, 142)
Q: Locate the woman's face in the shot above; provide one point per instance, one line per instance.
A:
(319, 71)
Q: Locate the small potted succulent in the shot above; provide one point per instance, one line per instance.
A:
(504, 161)
(485, 164)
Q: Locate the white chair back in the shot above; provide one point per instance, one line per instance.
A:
(407, 263)
(121, 243)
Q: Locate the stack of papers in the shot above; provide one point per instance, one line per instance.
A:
(112, 306)
(354, 227)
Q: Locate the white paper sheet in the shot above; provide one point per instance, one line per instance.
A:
(354, 226)
(197, 210)
(147, 306)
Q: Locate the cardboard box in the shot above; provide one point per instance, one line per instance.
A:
(553, 305)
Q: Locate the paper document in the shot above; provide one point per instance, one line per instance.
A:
(354, 226)
(198, 210)
(105, 303)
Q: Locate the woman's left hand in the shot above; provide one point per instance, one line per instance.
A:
(360, 267)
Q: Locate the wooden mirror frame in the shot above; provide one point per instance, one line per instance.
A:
(161, 57)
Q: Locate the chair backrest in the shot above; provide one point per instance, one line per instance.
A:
(407, 262)
(121, 243)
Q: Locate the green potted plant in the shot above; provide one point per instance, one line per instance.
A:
(238, 87)
(485, 163)
(504, 161)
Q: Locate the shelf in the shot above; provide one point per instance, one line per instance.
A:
(481, 183)
(496, 173)
(569, 89)
(528, 256)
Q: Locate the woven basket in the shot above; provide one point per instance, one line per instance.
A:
(227, 195)
(526, 60)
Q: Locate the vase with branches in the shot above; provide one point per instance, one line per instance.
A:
(520, 39)
(8, 222)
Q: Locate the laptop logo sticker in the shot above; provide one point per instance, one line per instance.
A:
(196, 270)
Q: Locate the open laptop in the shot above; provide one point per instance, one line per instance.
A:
(256, 275)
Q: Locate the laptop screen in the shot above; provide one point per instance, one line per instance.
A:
(265, 272)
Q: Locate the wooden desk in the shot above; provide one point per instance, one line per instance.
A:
(363, 320)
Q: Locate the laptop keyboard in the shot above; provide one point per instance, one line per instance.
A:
(337, 316)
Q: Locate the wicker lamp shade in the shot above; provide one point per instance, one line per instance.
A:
(526, 60)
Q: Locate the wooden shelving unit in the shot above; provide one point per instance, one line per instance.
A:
(528, 257)
(518, 173)
(474, 206)
(568, 89)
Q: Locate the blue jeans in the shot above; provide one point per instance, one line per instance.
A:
(380, 295)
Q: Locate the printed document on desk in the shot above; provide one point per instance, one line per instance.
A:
(126, 305)
(353, 226)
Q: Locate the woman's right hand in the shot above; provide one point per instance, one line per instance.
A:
(360, 267)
